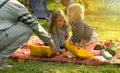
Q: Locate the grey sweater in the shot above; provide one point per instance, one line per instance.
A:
(59, 37)
(82, 32)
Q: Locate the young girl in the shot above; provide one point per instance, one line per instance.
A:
(83, 34)
(59, 28)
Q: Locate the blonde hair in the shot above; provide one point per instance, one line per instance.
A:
(54, 16)
(76, 10)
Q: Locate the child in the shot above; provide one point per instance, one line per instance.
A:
(83, 34)
(59, 28)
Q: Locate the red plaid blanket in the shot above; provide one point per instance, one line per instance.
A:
(24, 53)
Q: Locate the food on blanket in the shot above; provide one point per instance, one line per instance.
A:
(78, 51)
(106, 54)
(110, 44)
(40, 51)
(112, 52)
(107, 43)
(99, 47)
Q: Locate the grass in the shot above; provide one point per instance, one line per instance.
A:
(108, 27)
(31, 66)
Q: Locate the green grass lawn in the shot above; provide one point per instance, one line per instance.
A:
(106, 26)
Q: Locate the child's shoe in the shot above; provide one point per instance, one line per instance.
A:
(4, 65)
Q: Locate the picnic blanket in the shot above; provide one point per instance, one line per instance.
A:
(24, 53)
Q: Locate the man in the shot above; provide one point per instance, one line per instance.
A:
(16, 26)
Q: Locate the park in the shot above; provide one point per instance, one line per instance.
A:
(102, 15)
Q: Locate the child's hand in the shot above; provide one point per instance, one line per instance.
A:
(53, 49)
(64, 52)
(54, 54)
(76, 44)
